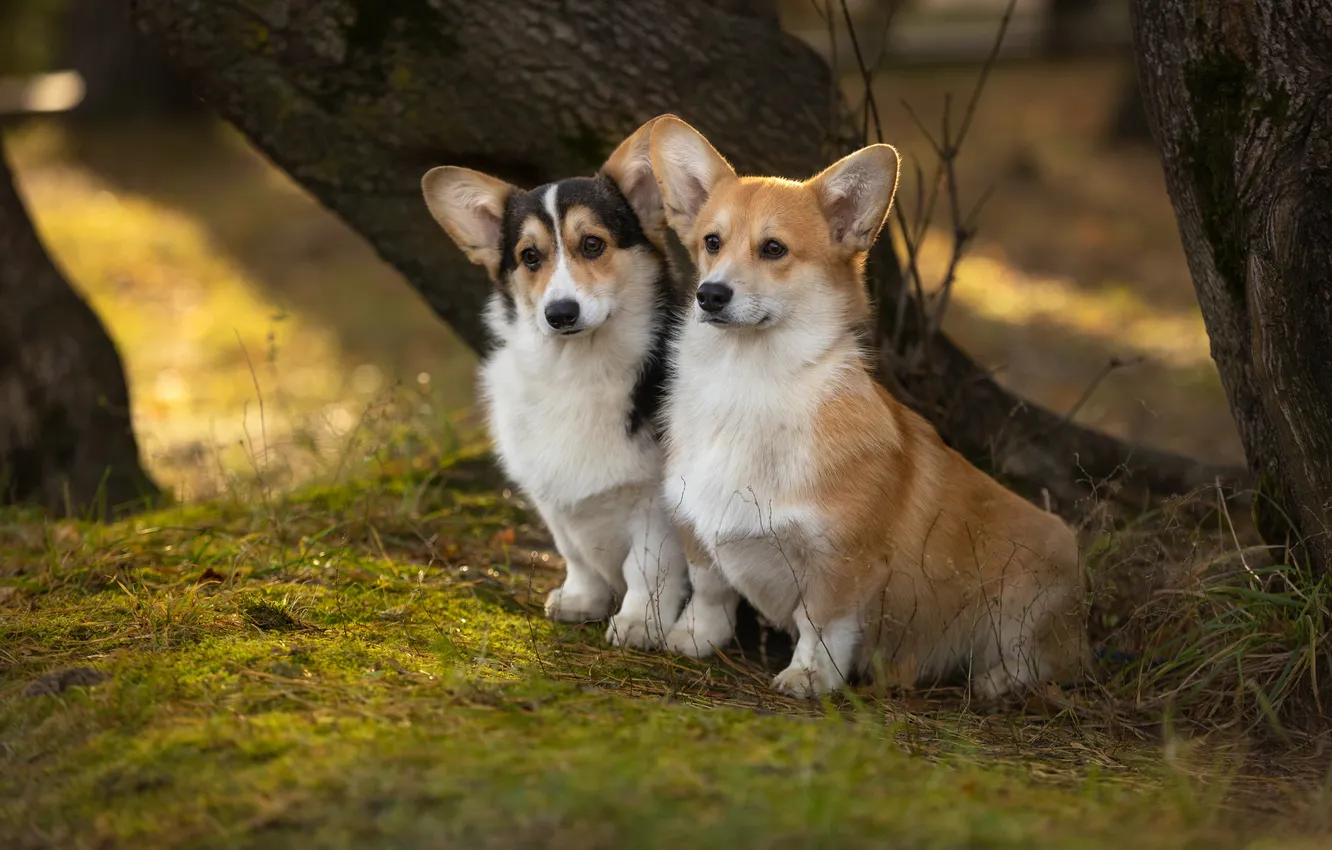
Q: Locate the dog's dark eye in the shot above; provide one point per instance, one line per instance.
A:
(593, 246)
(712, 242)
(773, 250)
(531, 258)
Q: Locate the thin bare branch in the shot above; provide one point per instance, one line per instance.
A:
(985, 71)
(893, 7)
(920, 125)
(866, 77)
(1111, 366)
(835, 92)
(913, 270)
(974, 215)
(904, 293)
(963, 228)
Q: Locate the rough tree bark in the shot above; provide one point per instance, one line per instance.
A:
(65, 435)
(358, 98)
(1239, 95)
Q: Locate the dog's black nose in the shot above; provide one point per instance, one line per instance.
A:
(562, 314)
(712, 297)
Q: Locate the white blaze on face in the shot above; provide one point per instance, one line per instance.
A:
(563, 286)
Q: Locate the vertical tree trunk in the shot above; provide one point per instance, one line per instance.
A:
(65, 436)
(1239, 95)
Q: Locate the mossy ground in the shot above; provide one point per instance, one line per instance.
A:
(368, 666)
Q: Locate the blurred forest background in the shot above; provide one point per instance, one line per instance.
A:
(253, 323)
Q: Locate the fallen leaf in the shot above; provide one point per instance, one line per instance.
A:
(210, 575)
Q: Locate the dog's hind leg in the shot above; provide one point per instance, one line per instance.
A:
(1043, 640)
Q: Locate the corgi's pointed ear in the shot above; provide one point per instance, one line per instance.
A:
(630, 167)
(856, 193)
(688, 170)
(469, 206)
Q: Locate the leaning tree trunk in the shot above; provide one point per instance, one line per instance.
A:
(358, 98)
(1240, 98)
(65, 436)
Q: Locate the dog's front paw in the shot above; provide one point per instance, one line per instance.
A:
(997, 684)
(685, 641)
(805, 682)
(635, 630)
(700, 632)
(569, 606)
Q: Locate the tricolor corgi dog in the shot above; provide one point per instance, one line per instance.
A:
(803, 485)
(582, 306)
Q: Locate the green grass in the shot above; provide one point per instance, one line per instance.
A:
(366, 666)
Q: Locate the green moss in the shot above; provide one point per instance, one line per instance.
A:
(270, 616)
(570, 775)
(339, 680)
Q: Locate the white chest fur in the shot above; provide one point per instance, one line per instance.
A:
(559, 411)
(741, 423)
(738, 449)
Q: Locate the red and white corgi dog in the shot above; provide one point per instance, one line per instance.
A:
(582, 309)
(834, 509)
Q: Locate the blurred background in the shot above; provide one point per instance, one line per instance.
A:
(247, 313)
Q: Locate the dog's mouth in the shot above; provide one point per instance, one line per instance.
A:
(722, 322)
(583, 330)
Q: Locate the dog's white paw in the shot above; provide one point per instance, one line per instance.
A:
(686, 641)
(634, 630)
(805, 682)
(997, 683)
(700, 632)
(569, 606)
